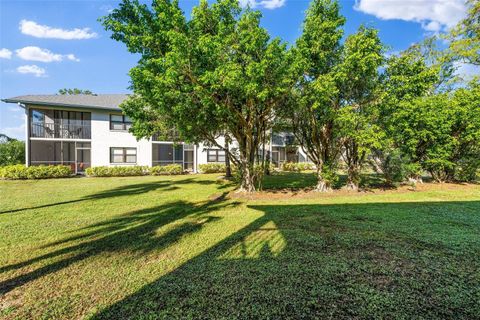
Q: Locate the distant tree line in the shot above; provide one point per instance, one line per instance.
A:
(12, 151)
(346, 101)
(74, 91)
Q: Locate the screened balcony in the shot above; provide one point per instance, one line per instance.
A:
(167, 153)
(60, 124)
(74, 154)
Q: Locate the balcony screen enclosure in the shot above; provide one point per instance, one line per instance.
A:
(60, 124)
(168, 153)
(76, 155)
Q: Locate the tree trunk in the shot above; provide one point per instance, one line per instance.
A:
(353, 178)
(228, 169)
(322, 185)
(267, 164)
(248, 179)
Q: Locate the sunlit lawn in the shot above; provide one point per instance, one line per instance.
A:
(180, 247)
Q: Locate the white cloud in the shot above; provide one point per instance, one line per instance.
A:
(43, 55)
(15, 109)
(433, 26)
(107, 8)
(72, 57)
(5, 53)
(32, 69)
(15, 132)
(267, 4)
(466, 71)
(434, 15)
(34, 29)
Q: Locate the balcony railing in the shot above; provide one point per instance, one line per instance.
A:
(60, 131)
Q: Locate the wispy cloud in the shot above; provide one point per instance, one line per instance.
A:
(5, 53)
(267, 4)
(31, 53)
(32, 69)
(466, 71)
(17, 132)
(34, 29)
(107, 8)
(433, 15)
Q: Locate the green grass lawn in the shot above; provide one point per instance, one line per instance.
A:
(179, 247)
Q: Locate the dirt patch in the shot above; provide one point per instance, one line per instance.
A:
(309, 193)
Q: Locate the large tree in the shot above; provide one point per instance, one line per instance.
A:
(358, 76)
(315, 99)
(432, 123)
(218, 73)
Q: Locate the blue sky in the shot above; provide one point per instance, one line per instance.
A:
(49, 45)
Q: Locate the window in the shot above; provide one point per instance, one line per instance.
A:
(123, 155)
(215, 155)
(120, 122)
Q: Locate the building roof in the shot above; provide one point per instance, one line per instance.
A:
(97, 101)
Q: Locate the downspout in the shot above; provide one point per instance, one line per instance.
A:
(27, 133)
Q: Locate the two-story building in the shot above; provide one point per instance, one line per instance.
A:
(90, 130)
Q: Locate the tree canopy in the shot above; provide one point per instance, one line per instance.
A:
(218, 73)
(219, 78)
(74, 91)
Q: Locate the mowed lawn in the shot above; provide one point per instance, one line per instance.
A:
(182, 247)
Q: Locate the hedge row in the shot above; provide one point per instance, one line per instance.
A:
(297, 167)
(16, 172)
(212, 168)
(20, 172)
(170, 169)
(124, 171)
(120, 171)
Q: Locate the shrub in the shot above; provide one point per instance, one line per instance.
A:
(304, 166)
(170, 169)
(467, 169)
(117, 171)
(212, 168)
(390, 162)
(297, 167)
(19, 171)
(12, 152)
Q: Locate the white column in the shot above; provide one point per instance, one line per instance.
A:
(195, 158)
(27, 136)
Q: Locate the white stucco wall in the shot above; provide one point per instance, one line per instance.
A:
(103, 139)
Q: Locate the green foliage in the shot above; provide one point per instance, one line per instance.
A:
(464, 39)
(465, 132)
(440, 133)
(329, 175)
(116, 171)
(12, 152)
(74, 91)
(217, 73)
(212, 168)
(297, 166)
(170, 169)
(334, 101)
(359, 85)
(389, 162)
(20, 172)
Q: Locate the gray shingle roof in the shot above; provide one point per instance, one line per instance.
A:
(99, 101)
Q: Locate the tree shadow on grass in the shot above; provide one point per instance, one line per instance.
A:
(134, 231)
(377, 260)
(126, 190)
